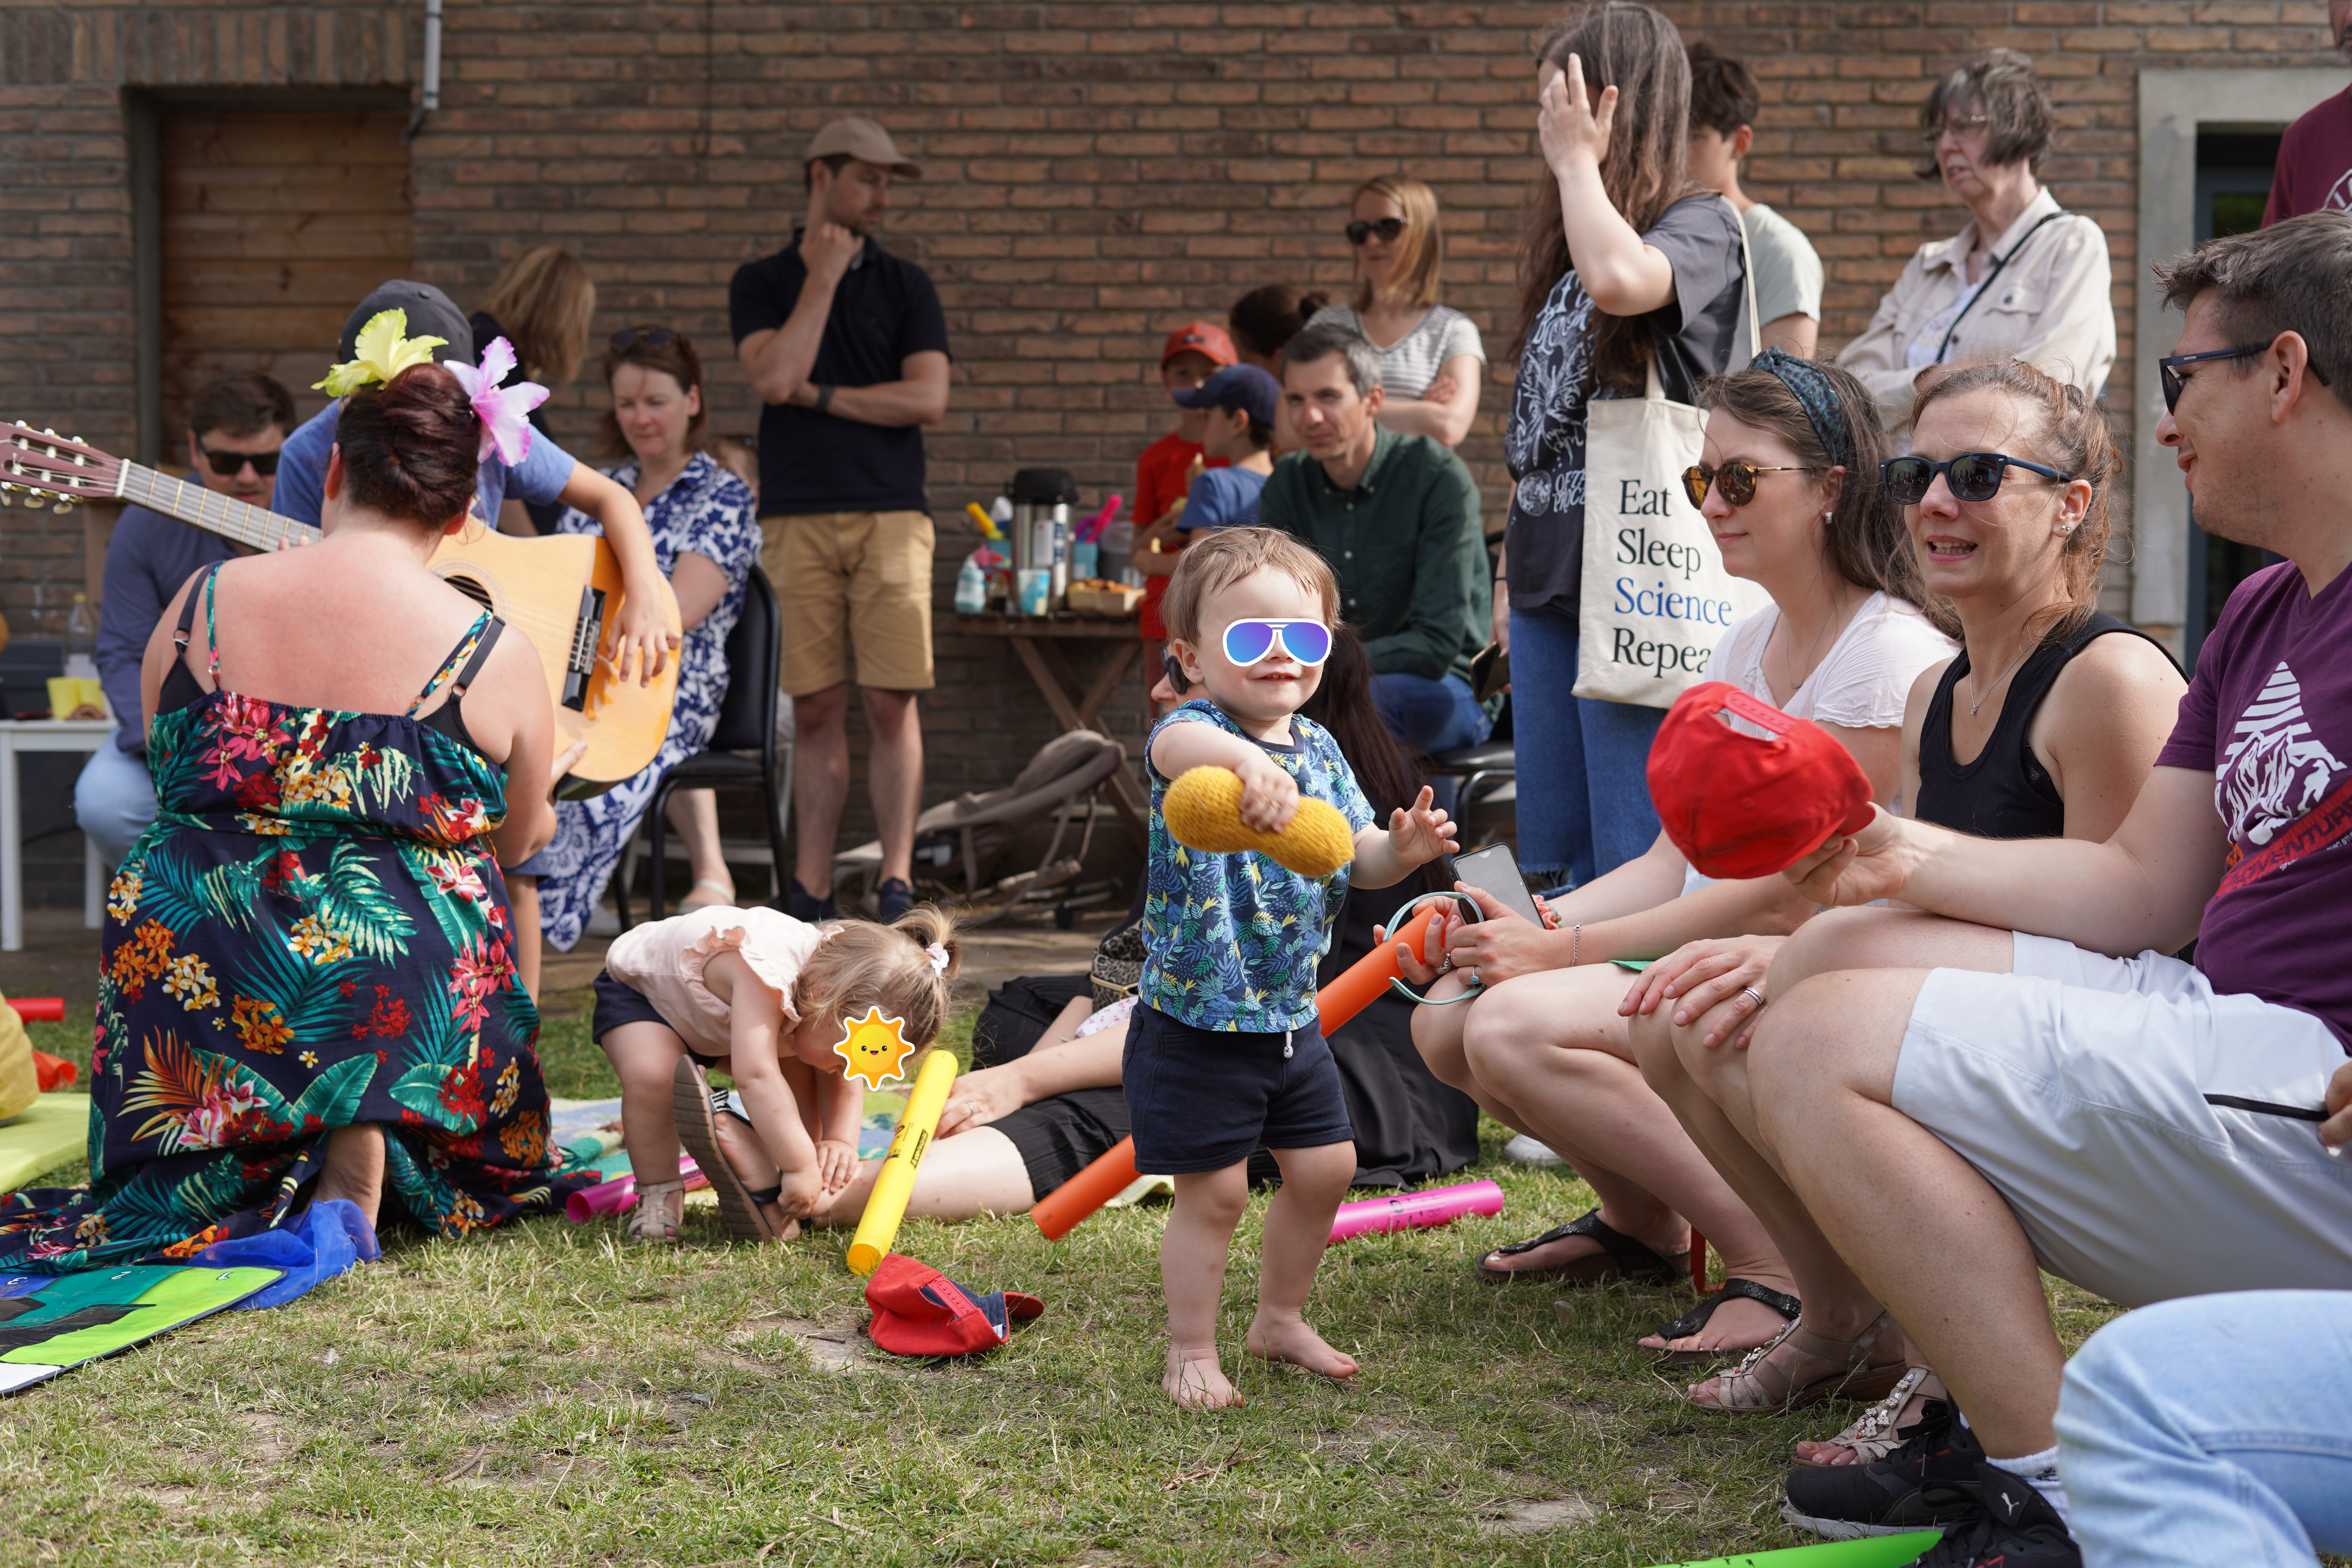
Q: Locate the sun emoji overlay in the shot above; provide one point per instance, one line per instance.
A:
(874, 1048)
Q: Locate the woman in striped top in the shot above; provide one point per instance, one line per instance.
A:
(1431, 356)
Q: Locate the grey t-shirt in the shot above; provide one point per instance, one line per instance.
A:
(1544, 443)
(1788, 269)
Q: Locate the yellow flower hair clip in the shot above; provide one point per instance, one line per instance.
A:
(875, 1048)
(382, 354)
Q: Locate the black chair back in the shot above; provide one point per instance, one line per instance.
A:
(747, 714)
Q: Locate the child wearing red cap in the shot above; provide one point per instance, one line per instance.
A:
(1164, 473)
(765, 998)
(1224, 1055)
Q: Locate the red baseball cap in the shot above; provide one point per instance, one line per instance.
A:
(1200, 338)
(1750, 803)
(920, 1312)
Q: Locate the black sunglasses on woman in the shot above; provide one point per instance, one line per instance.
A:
(1388, 228)
(1972, 475)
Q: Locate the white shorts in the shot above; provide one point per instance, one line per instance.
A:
(2078, 1086)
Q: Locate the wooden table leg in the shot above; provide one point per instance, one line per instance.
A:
(1041, 672)
(1114, 672)
(1055, 681)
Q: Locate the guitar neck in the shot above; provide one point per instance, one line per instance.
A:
(210, 510)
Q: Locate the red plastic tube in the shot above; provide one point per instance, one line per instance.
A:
(1087, 1191)
(1366, 979)
(39, 1009)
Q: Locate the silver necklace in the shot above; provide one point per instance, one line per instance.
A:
(1977, 701)
(1789, 660)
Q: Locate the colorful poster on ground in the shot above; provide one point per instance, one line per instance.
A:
(50, 1324)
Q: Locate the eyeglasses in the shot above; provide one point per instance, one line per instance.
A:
(1309, 642)
(1388, 228)
(1972, 475)
(1959, 127)
(1737, 480)
(227, 465)
(629, 338)
(2169, 376)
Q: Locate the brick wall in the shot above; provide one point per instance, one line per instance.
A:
(1093, 173)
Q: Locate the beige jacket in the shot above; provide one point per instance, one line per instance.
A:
(2049, 306)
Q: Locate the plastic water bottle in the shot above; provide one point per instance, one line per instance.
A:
(972, 587)
(81, 640)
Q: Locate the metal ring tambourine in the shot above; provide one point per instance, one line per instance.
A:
(1470, 914)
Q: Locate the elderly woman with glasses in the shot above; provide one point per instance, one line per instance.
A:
(2023, 279)
(1431, 355)
(706, 539)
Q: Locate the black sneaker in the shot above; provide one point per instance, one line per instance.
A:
(894, 898)
(2011, 1526)
(1928, 1482)
(802, 905)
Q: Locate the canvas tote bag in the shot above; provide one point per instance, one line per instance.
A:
(1656, 599)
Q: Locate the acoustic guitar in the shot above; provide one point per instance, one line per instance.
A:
(561, 592)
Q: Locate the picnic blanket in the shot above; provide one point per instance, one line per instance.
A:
(54, 1131)
(52, 1323)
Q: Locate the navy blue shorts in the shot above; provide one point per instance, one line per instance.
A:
(1201, 1100)
(619, 1003)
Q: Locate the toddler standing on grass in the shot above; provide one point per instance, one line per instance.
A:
(762, 996)
(1224, 1055)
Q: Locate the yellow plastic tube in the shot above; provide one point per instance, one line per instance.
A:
(893, 1184)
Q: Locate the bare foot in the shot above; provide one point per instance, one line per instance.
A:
(355, 1168)
(1738, 1325)
(1195, 1382)
(1290, 1340)
(749, 1156)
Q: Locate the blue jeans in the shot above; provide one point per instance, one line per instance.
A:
(114, 800)
(1431, 716)
(2212, 1429)
(1583, 778)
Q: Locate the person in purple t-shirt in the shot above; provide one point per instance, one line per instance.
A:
(1943, 1104)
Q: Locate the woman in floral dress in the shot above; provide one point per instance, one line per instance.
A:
(308, 988)
(706, 537)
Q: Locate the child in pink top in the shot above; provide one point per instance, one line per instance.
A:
(763, 997)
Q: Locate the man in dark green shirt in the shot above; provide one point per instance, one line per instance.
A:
(1397, 517)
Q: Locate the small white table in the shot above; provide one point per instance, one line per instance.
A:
(18, 736)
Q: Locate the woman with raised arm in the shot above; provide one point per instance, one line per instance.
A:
(309, 991)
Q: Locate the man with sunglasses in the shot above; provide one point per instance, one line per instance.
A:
(235, 425)
(2029, 1079)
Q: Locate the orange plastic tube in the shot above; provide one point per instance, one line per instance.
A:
(1087, 1191)
(1369, 977)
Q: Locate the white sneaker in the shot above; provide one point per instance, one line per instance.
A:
(1523, 1149)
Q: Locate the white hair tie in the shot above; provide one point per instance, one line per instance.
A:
(939, 957)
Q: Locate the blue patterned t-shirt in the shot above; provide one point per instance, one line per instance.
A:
(1233, 938)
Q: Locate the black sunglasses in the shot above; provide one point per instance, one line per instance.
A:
(2169, 376)
(1973, 476)
(630, 337)
(1736, 480)
(1388, 228)
(229, 464)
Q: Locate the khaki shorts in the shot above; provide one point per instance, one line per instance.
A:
(864, 573)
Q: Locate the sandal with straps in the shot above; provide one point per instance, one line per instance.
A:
(1759, 1384)
(1621, 1256)
(660, 1209)
(742, 1208)
(1873, 1435)
(724, 901)
(1697, 1319)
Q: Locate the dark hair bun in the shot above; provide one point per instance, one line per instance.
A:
(409, 446)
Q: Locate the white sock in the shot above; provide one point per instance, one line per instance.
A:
(2039, 1471)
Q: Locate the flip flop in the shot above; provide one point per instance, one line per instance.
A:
(692, 903)
(1622, 1257)
(1696, 1320)
(698, 1129)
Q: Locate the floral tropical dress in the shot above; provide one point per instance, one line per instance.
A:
(312, 934)
(706, 512)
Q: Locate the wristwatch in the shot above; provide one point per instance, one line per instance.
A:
(823, 396)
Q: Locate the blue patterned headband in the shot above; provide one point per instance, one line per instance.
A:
(1817, 398)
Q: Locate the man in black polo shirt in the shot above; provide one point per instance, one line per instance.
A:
(847, 346)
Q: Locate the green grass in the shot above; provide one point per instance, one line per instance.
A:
(552, 1394)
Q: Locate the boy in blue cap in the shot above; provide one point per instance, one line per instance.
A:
(1239, 402)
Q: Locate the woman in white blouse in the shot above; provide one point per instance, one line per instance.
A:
(1788, 483)
(1431, 355)
(2023, 280)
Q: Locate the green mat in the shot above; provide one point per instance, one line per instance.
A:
(1876, 1551)
(55, 1130)
(54, 1325)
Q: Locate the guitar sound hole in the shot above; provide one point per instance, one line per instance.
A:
(472, 590)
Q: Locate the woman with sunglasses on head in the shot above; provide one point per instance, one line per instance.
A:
(706, 538)
(2023, 278)
(1432, 358)
(2046, 725)
(1785, 483)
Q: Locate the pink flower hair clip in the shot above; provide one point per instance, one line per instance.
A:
(504, 411)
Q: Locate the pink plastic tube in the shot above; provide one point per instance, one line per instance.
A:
(619, 1195)
(1411, 1211)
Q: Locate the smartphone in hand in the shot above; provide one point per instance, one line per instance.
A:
(1494, 870)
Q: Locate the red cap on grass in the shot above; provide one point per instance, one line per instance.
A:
(920, 1312)
(1739, 803)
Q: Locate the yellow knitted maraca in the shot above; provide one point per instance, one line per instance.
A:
(1204, 809)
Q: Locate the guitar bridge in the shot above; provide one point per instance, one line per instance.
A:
(583, 663)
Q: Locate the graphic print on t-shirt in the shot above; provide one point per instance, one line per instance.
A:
(1544, 440)
(2281, 793)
